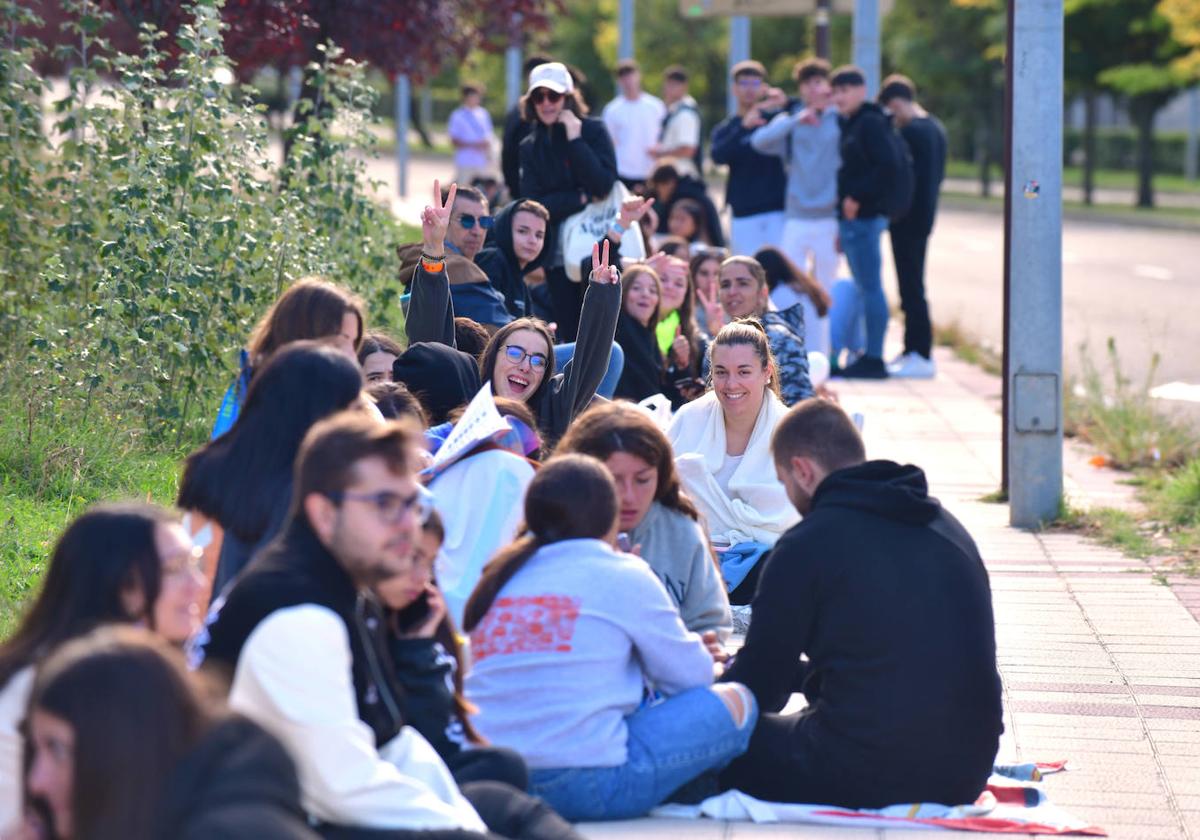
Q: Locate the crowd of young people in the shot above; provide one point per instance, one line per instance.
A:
(454, 591)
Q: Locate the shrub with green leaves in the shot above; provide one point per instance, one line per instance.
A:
(149, 231)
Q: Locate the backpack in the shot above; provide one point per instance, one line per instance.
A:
(698, 157)
(898, 197)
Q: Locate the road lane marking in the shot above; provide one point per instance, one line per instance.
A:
(1153, 272)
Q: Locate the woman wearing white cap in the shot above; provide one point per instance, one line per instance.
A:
(566, 161)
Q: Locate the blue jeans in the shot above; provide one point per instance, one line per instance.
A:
(860, 243)
(846, 319)
(670, 743)
(563, 353)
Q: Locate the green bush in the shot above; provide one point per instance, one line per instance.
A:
(151, 230)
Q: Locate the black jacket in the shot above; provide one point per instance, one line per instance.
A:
(566, 174)
(644, 374)
(503, 269)
(926, 139)
(441, 377)
(292, 571)
(238, 782)
(869, 160)
(757, 182)
(887, 595)
(693, 188)
(425, 671)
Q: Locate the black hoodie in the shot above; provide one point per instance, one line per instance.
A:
(238, 782)
(887, 595)
(499, 262)
(869, 160)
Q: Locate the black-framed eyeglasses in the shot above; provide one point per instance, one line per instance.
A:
(468, 221)
(545, 95)
(516, 355)
(390, 506)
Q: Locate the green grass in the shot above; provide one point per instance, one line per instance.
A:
(1187, 218)
(1119, 529)
(1073, 177)
(49, 473)
(968, 348)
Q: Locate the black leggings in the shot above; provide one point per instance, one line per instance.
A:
(508, 813)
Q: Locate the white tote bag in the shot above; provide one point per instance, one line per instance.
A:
(587, 227)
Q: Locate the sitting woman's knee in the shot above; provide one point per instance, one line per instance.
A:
(739, 702)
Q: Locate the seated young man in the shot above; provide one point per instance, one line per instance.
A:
(306, 652)
(885, 593)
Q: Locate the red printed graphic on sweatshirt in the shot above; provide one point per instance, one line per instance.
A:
(526, 624)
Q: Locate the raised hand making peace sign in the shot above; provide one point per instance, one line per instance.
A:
(435, 220)
(602, 272)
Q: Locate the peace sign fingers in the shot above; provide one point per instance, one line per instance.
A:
(602, 272)
(435, 219)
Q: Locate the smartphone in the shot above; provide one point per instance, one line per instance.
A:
(623, 542)
(415, 614)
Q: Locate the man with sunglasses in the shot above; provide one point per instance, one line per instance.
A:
(470, 222)
(297, 633)
(755, 189)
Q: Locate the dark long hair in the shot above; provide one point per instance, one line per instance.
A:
(102, 554)
(780, 268)
(311, 308)
(238, 478)
(487, 362)
(135, 712)
(606, 428)
(695, 210)
(554, 511)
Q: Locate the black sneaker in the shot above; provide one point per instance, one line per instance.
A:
(865, 367)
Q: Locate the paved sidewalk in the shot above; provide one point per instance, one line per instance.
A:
(1101, 665)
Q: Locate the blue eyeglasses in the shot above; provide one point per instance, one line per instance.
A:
(468, 221)
(516, 355)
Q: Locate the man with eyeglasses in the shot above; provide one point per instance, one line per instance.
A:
(755, 189)
(298, 635)
(470, 222)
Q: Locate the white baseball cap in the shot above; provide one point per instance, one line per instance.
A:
(553, 76)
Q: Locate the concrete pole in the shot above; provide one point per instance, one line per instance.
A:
(1033, 421)
(739, 50)
(625, 30)
(1191, 150)
(865, 42)
(513, 83)
(403, 93)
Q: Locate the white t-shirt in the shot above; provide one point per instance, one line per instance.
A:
(683, 129)
(471, 125)
(634, 125)
(728, 468)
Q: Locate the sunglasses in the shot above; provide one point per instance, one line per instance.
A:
(543, 95)
(468, 221)
(391, 507)
(516, 355)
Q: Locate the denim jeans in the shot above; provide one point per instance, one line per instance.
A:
(670, 743)
(563, 353)
(860, 243)
(846, 319)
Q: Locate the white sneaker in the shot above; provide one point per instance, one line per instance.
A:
(913, 366)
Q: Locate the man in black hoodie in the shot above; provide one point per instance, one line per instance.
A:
(870, 168)
(886, 595)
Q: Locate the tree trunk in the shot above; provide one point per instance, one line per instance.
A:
(414, 116)
(1089, 144)
(1142, 110)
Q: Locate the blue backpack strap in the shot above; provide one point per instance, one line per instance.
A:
(235, 395)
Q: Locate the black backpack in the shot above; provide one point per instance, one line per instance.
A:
(898, 197)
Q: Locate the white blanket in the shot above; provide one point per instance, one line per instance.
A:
(756, 507)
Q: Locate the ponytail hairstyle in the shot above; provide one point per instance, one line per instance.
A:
(750, 332)
(611, 427)
(571, 497)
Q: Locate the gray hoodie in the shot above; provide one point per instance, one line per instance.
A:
(810, 153)
(677, 550)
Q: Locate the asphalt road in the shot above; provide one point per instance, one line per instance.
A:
(1136, 284)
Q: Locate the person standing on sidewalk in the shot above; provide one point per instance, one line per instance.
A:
(926, 139)
(755, 190)
(886, 594)
(680, 137)
(471, 132)
(633, 119)
(870, 167)
(806, 139)
(515, 130)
